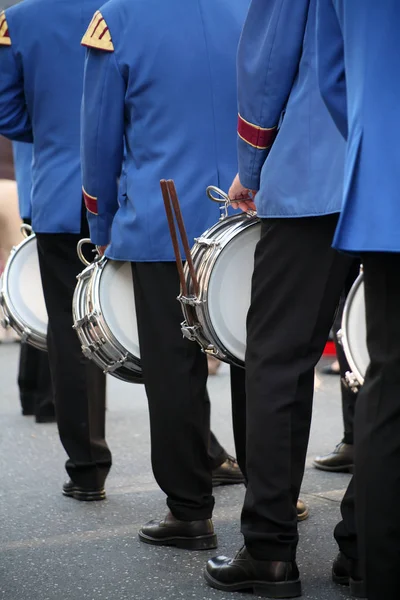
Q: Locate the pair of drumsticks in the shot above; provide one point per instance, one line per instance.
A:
(173, 211)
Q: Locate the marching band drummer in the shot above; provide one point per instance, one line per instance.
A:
(359, 81)
(40, 94)
(291, 160)
(161, 77)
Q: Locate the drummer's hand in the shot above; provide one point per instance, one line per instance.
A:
(241, 197)
(101, 249)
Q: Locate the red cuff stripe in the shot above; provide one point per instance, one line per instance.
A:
(258, 137)
(90, 202)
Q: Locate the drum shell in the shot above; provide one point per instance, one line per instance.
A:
(98, 342)
(11, 318)
(205, 253)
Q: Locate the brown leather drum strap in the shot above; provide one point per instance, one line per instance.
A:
(172, 207)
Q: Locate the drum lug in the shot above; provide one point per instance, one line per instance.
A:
(189, 331)
(5, 322)
(352, 382)
(91, 318)
(78, 324)
(91, 348)
(27, 333)
(87, 351)
(203, 241)
(190, 300)
(339, 336)
(115, 365)
(211, 351)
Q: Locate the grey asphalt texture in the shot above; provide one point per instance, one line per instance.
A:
(56, 548)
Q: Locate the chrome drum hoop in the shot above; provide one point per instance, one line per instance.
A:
(97, 340)
(354, 376)
(205, 252)
(79, 315)
(11, 318)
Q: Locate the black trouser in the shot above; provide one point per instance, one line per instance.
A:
(377, 438)
(296, 287)
(175, 375)
(34, 382)
(79, 385)
(348, 396)
(238, 385)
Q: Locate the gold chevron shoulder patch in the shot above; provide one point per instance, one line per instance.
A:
(5, 39)
(98, 35)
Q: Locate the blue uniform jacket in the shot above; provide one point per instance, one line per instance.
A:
(41, 75)
(23, 174)
(161, 77)
(288, 146)
(363, 100)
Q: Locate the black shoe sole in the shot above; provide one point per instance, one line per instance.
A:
(340, 469)
(357, 589)
(284, 589)
(217, 481)
(46, 419)
(202, 542)
(85, 496)
(341, 580)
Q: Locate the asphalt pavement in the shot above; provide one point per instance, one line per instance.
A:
(55, 548)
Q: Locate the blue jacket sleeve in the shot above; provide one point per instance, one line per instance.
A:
(102, 140)
(268, 60)
(330, 60)
(15, 123)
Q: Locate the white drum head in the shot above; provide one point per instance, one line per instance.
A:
(25, 288)
(117, 304)
(229, 290)
(355, 330)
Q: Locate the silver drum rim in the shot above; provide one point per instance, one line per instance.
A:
(11, 316)
(97, 340)
(344, 339)
(205, 253)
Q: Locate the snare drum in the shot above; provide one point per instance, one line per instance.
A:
(223, 258)
(353, 335)
(21, 295)
(105, 318)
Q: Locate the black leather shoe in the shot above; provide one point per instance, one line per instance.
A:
(302, 511)
(340, 460)
(331, 369)
(45, 418)
(266, 578)
(72, 490)
(228, 473)
(189, 535)
(347, 572)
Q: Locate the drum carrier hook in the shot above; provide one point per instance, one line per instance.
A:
(221, 198)
(26, 230)
(81, 256)
(224, 201)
